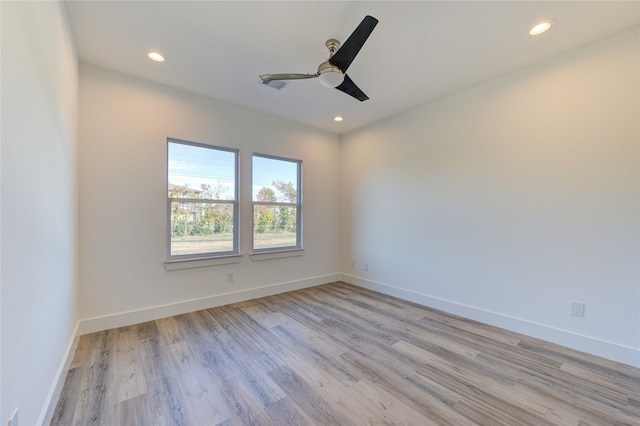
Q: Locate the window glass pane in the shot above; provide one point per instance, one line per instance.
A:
(274, 226)
(275, 180)
(199, 172)
(201, 228)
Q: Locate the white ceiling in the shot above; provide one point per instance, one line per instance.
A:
(420, 50)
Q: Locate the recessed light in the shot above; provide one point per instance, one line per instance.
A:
(541, 27)
(155, 56)
(338, 118)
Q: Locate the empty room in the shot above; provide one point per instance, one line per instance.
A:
(320, 212)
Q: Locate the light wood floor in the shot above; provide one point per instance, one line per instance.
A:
(337, 355)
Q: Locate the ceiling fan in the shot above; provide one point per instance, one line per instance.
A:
(332, 72)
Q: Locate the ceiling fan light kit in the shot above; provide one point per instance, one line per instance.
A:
(332, 72)
(329, 75)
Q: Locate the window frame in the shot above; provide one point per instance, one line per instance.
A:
(298, 205)
(235, 251)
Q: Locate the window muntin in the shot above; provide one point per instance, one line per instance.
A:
(202, 200)
(277, 203)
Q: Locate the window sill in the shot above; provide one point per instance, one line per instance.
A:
(173, 265)
(276, 254)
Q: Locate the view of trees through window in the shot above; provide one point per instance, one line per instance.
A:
(202, 199)
(276, 203)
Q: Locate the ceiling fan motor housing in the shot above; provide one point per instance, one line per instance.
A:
(332, 45)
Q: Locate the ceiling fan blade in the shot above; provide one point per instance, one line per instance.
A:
(350, 88)
(270, 77)
(350, 48)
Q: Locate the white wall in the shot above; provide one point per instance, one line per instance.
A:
(124, 125)
(508, 200)
(38, 227)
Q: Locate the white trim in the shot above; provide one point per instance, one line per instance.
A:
(121, 319)
(276, 254)
(610, 350)
(58, 382)
(174, 265)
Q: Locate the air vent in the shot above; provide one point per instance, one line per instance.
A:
(276, 84)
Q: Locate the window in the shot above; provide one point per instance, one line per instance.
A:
(202, 200)
(277, 203)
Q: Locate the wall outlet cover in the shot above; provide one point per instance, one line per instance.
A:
(577, 309)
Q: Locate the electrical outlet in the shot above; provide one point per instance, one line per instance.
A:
(366, 266)
(229, 277)
(13, 421)
(577, 309)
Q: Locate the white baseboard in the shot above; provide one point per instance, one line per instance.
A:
(613, 351)
(54, 393)
(122, 319)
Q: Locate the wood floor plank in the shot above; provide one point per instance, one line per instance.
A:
(338, 394)
(166, 401)
(251, 365)
(295, 347)
(286, 413)
(580, 406)
(242, 386)
(94, 400)
(244, 406)
(201, 396)
(133, 411)
(308, 399)
(394, 408)
(489, 393)
(263, 313)
(337, 354)
(66, 407)
(129, 378)
(416, 392)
